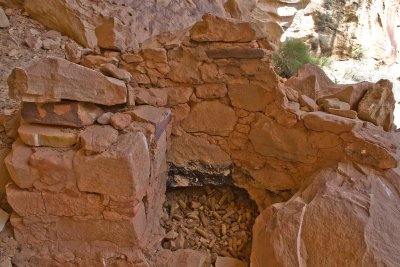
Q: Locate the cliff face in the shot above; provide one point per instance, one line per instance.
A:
(346, 29)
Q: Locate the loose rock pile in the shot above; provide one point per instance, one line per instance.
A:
(216, 220)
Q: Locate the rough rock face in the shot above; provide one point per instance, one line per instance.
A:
(121, 24)
(346, 210)
(344, 28)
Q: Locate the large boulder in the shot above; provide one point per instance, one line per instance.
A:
(346, 216)
(52, 79)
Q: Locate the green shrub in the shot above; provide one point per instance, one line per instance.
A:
(292, 55)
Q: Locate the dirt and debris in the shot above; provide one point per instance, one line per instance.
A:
(213, 219)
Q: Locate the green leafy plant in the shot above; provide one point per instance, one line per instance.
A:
(357, 52)
(292, 55)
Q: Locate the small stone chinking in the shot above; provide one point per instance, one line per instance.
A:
(206, 107)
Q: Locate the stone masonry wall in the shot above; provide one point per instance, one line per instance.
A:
(233, 121)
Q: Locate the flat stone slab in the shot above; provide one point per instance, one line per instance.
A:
(52, 79)
(66, 113)
(43, 135)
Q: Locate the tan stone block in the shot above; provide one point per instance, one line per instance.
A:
(41, 135)
(211, 117)
(17, 163)
(123, 169)
(178, 95)
(249, 97)
(96, 138)
(52, 79)
(211, 90)
(25, 203)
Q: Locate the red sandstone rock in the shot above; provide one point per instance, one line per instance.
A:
(320, 121)
(159, 117)
(191, 154)
(240, 52)
(274, 140)
(123, 169)
(211, 117)
(183, 258)
(311, 80)
(113, 34)
(150, 96)
(308, 102)
(120, 120)
(377, 105)
(229, 262)
(111, 70)
(249, 97)
(66, 113)
(212, 90)
(216, 29)
(178, 95)
(344, 210)
(97, 139)
(52, 79)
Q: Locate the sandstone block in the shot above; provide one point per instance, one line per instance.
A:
(18, 166)
(105, 118)
(335, 103)
(273, 180)
(120, 120)
(25, 203)
(217, 29)
(239, 52)
(249, 97)
(152, 96)
(211, 117)
(111, 70)
(97, 139)
(66, 113)
(52, 79)
(273, 140)
(183, 257)
(377, 105)
(351, 114)
(308, 102)
(123, 169)
(195, 162)
(320, 121)
(230, 262)
(178, 95)
(159, 117)
(43, 135)
(212, 90)
(63, 204)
